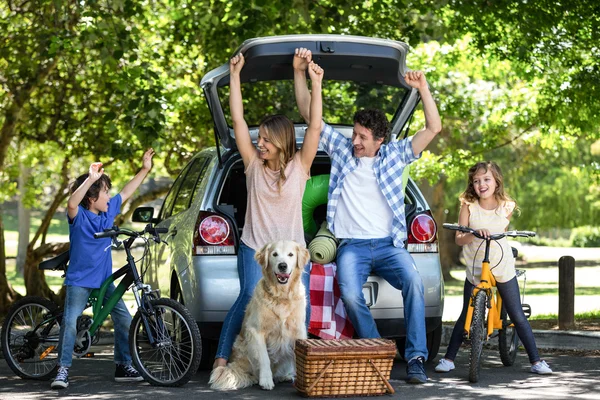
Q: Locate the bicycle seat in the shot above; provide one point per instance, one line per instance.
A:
(515, 252)
(58, 263)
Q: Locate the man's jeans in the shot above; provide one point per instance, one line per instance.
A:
(74, 305)
(356, 258)
(249, 273)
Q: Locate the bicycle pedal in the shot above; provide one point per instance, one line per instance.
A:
(89, 354)
(526, 310)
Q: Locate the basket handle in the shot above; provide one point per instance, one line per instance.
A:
(385, 381)
(310, 388)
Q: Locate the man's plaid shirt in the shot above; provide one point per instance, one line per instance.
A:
(388, 167)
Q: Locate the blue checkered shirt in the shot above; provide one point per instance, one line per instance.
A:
(389, 164)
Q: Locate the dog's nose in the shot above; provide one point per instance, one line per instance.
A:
(282, 266)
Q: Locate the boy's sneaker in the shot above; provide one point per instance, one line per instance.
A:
(62, 379)
(126, 373)
(444, 365)
(415, 371)
(541, 368)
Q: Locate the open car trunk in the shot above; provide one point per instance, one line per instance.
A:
(360, 72)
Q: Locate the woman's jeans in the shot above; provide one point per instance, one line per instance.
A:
(75, 303)
(356, 258)
(250, 273)
(511, 300)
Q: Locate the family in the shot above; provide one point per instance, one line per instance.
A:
(365, 212)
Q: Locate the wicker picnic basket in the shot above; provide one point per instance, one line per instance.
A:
(344, 368)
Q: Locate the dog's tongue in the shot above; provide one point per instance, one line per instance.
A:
(283, 276)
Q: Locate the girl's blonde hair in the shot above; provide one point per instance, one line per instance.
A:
(500, 195)
(280, 132)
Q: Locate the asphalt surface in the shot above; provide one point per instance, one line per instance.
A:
(576, 376)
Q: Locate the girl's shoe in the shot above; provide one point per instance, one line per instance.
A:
(541, 368)
(445, 365)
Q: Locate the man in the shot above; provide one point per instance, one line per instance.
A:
(365, 210)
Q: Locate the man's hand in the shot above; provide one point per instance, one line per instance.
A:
(302, 57)
(315, 72)
(147, 159)
(236, 64)
(415, 79)
(95, 171)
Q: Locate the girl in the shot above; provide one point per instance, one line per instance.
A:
(486, 208)
(276, 175)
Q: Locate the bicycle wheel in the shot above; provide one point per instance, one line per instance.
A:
(176, 356)
(30, 336)
(478, 335)
(509, 340)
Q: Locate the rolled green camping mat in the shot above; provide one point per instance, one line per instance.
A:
(324, 246)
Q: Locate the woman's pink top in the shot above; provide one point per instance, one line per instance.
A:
(273, 214)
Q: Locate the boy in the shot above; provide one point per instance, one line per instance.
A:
(91, 210)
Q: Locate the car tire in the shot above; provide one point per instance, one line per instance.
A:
(434, 339)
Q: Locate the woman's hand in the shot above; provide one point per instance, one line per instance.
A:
(236, 64)
(315, 72)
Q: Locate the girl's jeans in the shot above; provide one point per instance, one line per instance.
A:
(356, 258)
(74, 305)
(250, 273)
(511, 299)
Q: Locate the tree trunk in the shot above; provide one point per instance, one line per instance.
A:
(7, 293)
(14, 111)
(24, 219)
(448, 248)
(35, 279)
(138, 201)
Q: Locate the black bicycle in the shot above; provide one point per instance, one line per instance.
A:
(164, 338)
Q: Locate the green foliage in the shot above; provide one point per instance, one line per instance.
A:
(544, 241)
(586, 236)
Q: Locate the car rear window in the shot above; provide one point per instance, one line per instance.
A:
(340, 100)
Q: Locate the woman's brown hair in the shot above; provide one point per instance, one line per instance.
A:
(280, 132)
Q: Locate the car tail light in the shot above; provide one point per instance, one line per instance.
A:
(213, 235)
(422, 236)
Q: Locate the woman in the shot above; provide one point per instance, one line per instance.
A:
(276, 175)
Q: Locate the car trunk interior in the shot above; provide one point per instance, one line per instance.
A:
(233, 195)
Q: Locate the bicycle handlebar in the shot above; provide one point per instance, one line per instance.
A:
(115, 231)
(496, 236)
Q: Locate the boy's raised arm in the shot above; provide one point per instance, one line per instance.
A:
(137, 180)
(94, 173)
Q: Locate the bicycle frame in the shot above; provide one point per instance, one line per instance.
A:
(487, 283)
(101, 308)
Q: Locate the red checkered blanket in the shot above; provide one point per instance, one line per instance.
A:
(328, 319)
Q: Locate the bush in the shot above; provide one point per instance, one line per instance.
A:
(586, 236)
(544, 241)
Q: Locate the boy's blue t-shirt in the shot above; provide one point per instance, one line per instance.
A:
(90, 259)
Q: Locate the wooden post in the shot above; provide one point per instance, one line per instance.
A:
(566, 293)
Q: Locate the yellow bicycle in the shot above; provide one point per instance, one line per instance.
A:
(478, 328)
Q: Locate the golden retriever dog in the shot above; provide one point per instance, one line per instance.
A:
(263, 352)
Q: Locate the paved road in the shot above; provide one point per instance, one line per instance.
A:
(575, 377)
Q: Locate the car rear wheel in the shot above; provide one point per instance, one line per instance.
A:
(434, 338)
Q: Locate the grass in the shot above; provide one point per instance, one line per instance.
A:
(595, 314)
(532, 288)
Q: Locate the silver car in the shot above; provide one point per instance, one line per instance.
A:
(204, 209)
